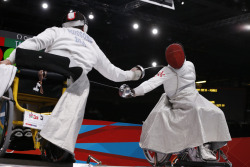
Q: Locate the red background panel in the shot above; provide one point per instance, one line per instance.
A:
(111, 134)
(96, 122)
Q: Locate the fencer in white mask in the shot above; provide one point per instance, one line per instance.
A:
(182, 118)
(72, 41)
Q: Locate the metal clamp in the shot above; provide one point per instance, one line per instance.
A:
(7, 98)
(94, 159)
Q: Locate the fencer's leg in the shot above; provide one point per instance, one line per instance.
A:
(65, 121)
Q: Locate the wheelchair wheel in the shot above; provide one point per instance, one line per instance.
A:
(6, 118)
(155, 158)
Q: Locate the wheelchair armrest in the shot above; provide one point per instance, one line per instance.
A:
(34, 74)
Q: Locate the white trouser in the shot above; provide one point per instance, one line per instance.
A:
(64, 124)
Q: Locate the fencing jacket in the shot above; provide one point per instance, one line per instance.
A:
(182, 118)
(65, 121)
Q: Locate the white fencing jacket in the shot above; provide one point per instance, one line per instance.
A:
(64, 124)
(79, 47)
(182, 118)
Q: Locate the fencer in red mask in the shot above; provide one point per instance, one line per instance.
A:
(182, 118)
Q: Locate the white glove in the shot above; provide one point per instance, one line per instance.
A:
(126, 92)
(138, 72)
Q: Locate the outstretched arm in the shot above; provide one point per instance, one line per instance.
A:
(110, 71)
(152, 83)
(147, 86)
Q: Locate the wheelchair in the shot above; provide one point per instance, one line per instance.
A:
(41, 79)
(188, 157)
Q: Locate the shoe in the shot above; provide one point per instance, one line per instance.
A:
(21, 139)
(53, 153)
(16, 137)
(17, 132)
(27, 132)
(206, 153)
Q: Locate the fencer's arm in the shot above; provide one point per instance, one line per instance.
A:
(152, 83)
(126, 92)
(108, 70)
(39, 42)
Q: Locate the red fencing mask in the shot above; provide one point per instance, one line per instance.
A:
(175, 55)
